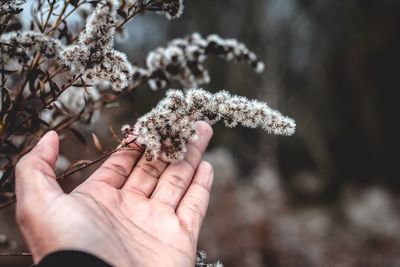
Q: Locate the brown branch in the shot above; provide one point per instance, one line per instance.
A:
(43, 108)
(8, 203)
(144, 7)
(60, 18)
(4, 23)
(15, 254)
(73, 10)
(102, 157)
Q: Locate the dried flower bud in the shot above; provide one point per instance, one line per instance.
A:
(182, 60)
(201, 258)
(166, 129)
(172, 9)
(100, 27)
(21, 45)
(126, 130)
(94, 56)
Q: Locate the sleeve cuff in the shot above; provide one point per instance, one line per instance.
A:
(69, 258)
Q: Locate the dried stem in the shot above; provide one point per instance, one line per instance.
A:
(102, 157)
(4, 23)
(15, 254)
(55, 98)
(143, 8)
(8, 203)
(60, 18)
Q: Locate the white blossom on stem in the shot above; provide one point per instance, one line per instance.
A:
(165, 131)
(172, 9)
(201, 258)
(182, 60)
(21, 45)
(93, 54)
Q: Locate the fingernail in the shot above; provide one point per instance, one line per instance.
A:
(44, 137)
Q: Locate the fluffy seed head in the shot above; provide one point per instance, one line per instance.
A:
(22, 44)
(182, 60)
(165, 131)
(172, 9)
(94, 56)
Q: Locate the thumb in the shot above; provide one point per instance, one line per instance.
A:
(34, 174)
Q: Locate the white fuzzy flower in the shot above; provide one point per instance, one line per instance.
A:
(165, 131)
(94, 56)
(172, 9)
(201, 258)
(22, 44)
(182, 60)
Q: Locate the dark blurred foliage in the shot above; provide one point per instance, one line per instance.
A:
(333, 67)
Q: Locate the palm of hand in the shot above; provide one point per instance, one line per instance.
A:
(129, 212)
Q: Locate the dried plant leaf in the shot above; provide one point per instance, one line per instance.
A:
(114, 135)
(97, 143)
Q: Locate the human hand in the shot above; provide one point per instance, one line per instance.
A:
(130, 212)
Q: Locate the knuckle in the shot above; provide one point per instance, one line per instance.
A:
(150, 169)
(116, 168)
(190, 163)
(195, 209)
(176, 181)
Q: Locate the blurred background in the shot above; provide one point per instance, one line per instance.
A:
(329, 195)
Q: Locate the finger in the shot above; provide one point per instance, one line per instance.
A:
(193, 207)
(116, 169)
(34, 173)
(144, 176)
(176, 179)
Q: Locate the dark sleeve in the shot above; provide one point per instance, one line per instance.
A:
(71, 258)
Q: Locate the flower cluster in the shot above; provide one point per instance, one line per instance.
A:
(21, 45)
(94, 56)
(182, 60)
(11, 6)
(172, 9)
(166, 129)
(201, 258)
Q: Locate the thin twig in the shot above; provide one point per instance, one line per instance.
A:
(59, 19)
(119, 26)
(102, 157)
(15, 254)
(8, 203)
(11, 132)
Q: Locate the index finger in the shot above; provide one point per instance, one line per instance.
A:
(116, 169)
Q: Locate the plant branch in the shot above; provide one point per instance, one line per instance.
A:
(43, 108)
(15, 254)
(143, 8)
(102, 157)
